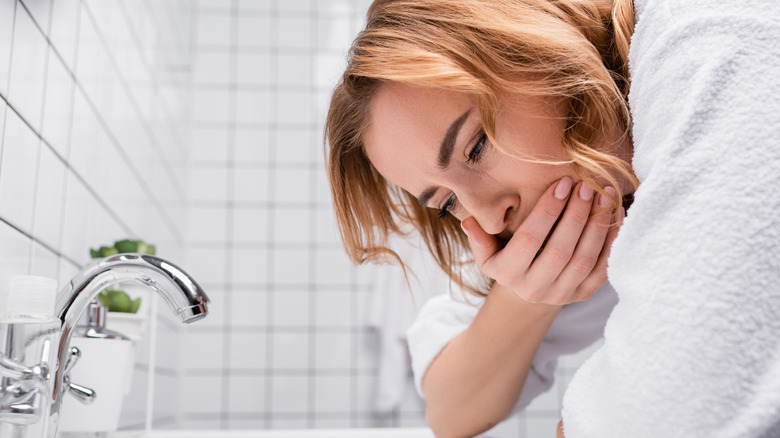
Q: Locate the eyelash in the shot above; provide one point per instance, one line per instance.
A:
(475, 154)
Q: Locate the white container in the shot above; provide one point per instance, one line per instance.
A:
(102, 368)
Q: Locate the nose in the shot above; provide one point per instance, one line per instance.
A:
(493, 208)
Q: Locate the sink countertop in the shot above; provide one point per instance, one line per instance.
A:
(299, 433)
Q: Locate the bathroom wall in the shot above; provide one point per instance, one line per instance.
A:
(288, 345)
(93, 146)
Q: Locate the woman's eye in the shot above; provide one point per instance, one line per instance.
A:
(476, 152)
(447, 206)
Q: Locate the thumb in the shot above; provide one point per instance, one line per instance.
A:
(483, 244)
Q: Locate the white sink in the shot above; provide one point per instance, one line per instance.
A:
(302, 433)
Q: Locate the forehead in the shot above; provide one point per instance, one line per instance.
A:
(406, 127)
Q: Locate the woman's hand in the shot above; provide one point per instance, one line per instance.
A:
(570, 264)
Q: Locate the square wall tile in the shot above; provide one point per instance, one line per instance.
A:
(289, 394)
(39, 10)
(211, 106)
(291, 309)
(250, 225)
(249, 266)
(334, 308)
(333, 394)
(290, 266)
(58, 108)
(252, 145)
(254, 30)
(294, 70)
(209, 145)
(18, 173)
(333, 266)
(49, 198)
(253, 107)
(211, 67)
(297, 145)
(253, 68)
(291, 350)
(201, 394)
(247, 394)
(64, 29)
(16, 254)
(250, 185)
(293, 107)
(7, 14)
(334, 350)
(207, 224)
(213, 29)
(202, 351)
(207, 265)
(292, 226)
(249, 308)
(293, 32)
(208, 184)
(292, 185)
(248, 350)
(28, 69)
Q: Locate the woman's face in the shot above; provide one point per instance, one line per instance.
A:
(431, 143)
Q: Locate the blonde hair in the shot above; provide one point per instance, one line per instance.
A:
(573, 49)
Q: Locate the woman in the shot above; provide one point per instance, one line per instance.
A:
(501, 130)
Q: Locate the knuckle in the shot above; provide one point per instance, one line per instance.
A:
(556, 254)
(528, 240)
(583, 264)
(550, 213)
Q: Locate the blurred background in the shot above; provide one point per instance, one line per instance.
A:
(197, 126)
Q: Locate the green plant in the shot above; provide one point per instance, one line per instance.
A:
(123, 246)
(116, 300)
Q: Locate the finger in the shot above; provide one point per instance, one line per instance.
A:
(483, 244)
(590, 244)
(526, 241)
(598, 275)
(560, 247)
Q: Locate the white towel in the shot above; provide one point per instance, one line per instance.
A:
(693, 347)
(393, 308)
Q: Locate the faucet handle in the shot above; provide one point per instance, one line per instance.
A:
(82, 393)
(74, 356)
(9, 368)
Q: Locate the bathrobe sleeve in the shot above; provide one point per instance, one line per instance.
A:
(443, 317)
(693, 347)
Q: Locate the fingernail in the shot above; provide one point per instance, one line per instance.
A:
(586, 191)
(621, 215)
(463, 227)
(606, 201)
(563, 188)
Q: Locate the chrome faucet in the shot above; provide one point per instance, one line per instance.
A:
(33, 381)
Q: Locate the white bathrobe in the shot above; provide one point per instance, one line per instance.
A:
(692, 349)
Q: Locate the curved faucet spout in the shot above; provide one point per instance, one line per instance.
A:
(180, 291)
(185, 298)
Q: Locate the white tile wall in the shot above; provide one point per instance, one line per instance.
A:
(78, 80)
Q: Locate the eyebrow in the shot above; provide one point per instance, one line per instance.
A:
(448, 142)
(445, 154)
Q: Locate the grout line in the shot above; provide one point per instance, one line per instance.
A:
(69, 167)
(139, 113)
(229, 195)
(272, 135)
(34, 239)
(8, 83)
(41, 121)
